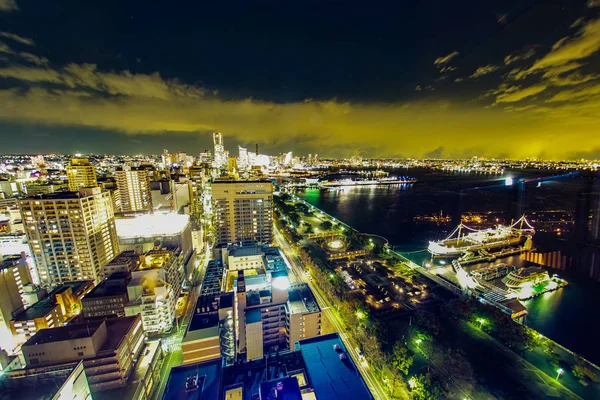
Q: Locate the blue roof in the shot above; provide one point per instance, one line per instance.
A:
(253, 315)
(208, 377)
(281, 389)
(332, 378)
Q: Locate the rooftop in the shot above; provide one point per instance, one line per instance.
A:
(9, 261)
(332, 378)
(301, 299)
(245, 251)
(253, 315)
(37, 386)
(285, 388)
(203, 326)
(208, 382)
(116, 329)
(107, 288)
(38, 310)
(151, 225)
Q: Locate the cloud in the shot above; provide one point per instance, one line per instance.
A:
(8, 5)
(576, 95)
(81, 95)
(487, 69)
(438, 152)
(5, 49)
(448, 68)
(593, 3)
(512, 58)
(459, 80)
(514, 94)
(570, 49)
(17, 38)
(32, 58)
(572, 79)
(440, 61)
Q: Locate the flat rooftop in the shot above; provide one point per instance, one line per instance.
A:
(108, 288)
(246, 251)
(301, 299)
(332, 378)
(9, 261)
(151, 225)
(38, 310)
(116, 329)
(285, 388)
(34, 387)
(207, 375)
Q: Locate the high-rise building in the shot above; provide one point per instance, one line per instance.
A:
(243, 161)
(10, 300)
(134, 188)
(220, 155)
(243, 212)
(72, 235)
(80, 173)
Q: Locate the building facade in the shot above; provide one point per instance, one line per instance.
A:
(134, 189)
(80, 173)
(243, 212)
(72, 235)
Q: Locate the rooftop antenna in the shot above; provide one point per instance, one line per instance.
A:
(257, 149)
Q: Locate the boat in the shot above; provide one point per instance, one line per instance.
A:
(468, 240)
(400, 180)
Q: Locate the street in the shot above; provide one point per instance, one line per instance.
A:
(377, 388)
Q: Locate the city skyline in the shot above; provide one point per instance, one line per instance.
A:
(513, 80)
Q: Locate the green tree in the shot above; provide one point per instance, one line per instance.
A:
(427, 321)
(309, 229)
(425, 387)
(402, 358)
(295, 218)
(325, 225)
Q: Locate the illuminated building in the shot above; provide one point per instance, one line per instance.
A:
(18, 267)
(199, 191)
(243, 212)
(526, 277)
(61, 304)
(125, 262)
(220, 155)
(80, 173)
(72, 235)
(10, 301)
(107, 348)
(56, 383)
(153, 298)
(108, 298)
(243, 161)
(269, 313)
(134, 189)
(155, 287)
(205, 157)
(140, 233)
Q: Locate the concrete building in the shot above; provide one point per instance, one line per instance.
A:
(125, 262)
(80, 173)
(155, 288)
(19, 268)
(107, 348)
(243, 212)
(142, 232)
(153, 298)
(272, 315)
(61, 304)
(72, 235)
(108, 298)
(134, 189)
(10, 301)
(66, 382)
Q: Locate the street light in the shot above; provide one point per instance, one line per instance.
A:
(412, 383)
(481, 322)
(559, 372)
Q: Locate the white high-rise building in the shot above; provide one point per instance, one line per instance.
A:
(220, 156)
(134, 189)
(72, 235)
(243, 161)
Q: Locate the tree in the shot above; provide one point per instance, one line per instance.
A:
(427, 321)
(295, 218)
(402, 358)
(309, 229)
(325, 225)
(425, 387)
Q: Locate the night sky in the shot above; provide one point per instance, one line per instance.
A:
(338, 78)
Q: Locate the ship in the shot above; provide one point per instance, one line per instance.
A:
(400, 180)
(468, 240)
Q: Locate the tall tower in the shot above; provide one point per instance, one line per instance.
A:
(80, 173)
(72, 235)
(220, 158)
(134, 188)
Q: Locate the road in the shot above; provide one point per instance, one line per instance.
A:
(377, 388)
(174, 357)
